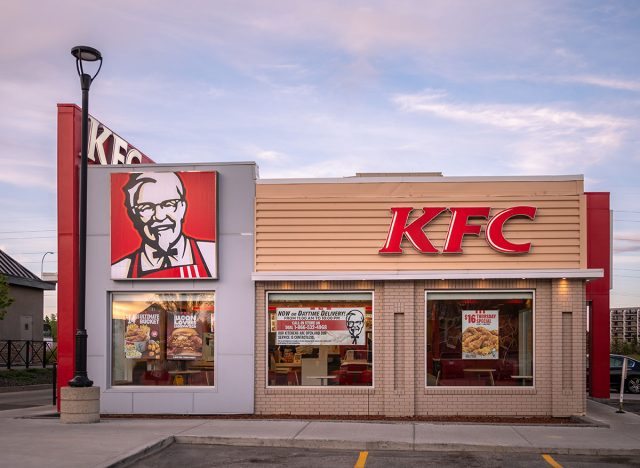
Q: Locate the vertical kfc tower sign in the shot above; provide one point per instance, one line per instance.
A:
(105, 148)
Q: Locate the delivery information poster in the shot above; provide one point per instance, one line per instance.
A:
(320, 326)
(142, 335)
(184, 335)
(480, 336)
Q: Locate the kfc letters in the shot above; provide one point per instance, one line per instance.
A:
(458, 228)
(121, 151)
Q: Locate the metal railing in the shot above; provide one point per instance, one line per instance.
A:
(31, 353)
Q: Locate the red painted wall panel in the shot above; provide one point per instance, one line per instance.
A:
(599, 256)
(69, 125)
(69, 142)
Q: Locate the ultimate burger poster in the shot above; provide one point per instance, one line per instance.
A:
(184, 335)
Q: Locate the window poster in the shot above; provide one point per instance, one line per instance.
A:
(184, 335)
(320, 326)
(480, 335)
(142, 334)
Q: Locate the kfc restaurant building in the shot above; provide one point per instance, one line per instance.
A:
(213, 291)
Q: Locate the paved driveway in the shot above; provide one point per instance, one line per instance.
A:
(25, 399)
(196, 456)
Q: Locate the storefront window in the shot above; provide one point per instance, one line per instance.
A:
(162, 339)
(479, 338)
(320, 339)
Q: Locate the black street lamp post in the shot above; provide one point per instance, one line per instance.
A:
(83, 54)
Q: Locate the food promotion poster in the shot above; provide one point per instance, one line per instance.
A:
(164, 225)
(480, 336)
(142, 335)
(184, 335)
(320, 326)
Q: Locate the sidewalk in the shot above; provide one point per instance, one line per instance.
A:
(46, 442)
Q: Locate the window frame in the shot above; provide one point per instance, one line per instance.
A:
(158, 388)
(318, 387)
(481, 291)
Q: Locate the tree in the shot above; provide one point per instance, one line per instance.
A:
(5, 299)
(616, 346)
(53, 323)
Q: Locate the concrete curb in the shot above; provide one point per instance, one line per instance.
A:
(578, 421)
(586, 421)
(26, 388)
(393, 446)
(137, 454)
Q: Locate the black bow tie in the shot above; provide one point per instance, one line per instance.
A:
(166, 263)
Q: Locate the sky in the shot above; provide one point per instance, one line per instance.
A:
(328, 89)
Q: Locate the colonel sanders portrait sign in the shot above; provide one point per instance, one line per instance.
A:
(163, 225)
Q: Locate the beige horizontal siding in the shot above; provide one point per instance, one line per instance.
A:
(303, 206)
(368, 244)
(341, 227)
(276, 234)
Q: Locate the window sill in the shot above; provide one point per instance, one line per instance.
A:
(318, 390)
(502, 390)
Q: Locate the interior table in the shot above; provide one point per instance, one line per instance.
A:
(324, 379)
(479, 371)
(522, 378)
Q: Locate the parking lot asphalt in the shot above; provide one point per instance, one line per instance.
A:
(198, 456)
(631, 402)
(630, 406)
(25, 399)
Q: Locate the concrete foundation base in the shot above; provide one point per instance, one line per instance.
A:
(79, 405)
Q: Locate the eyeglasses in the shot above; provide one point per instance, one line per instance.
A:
(149, 209)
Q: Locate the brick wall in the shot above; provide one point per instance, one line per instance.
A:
(399, 356)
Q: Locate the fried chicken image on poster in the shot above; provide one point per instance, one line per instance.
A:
(480, 336)
(142, 334)
(163, 225)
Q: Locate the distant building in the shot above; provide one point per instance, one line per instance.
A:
(24, 317)
(625, 324)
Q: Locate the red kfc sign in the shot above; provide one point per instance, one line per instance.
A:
(103, 142)
(458, 228)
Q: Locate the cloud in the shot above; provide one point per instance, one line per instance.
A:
(627, 248)
(279, 87)
(251, 34)
(509, 117)
(28, 132)
(626, 242)
(568, 56)
(604, 82)
(348, 165)
(543, 137)
(17, 175)
(607, 82)
(270, 156)
(631, 237)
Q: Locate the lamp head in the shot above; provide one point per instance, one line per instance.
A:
(86, 54)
